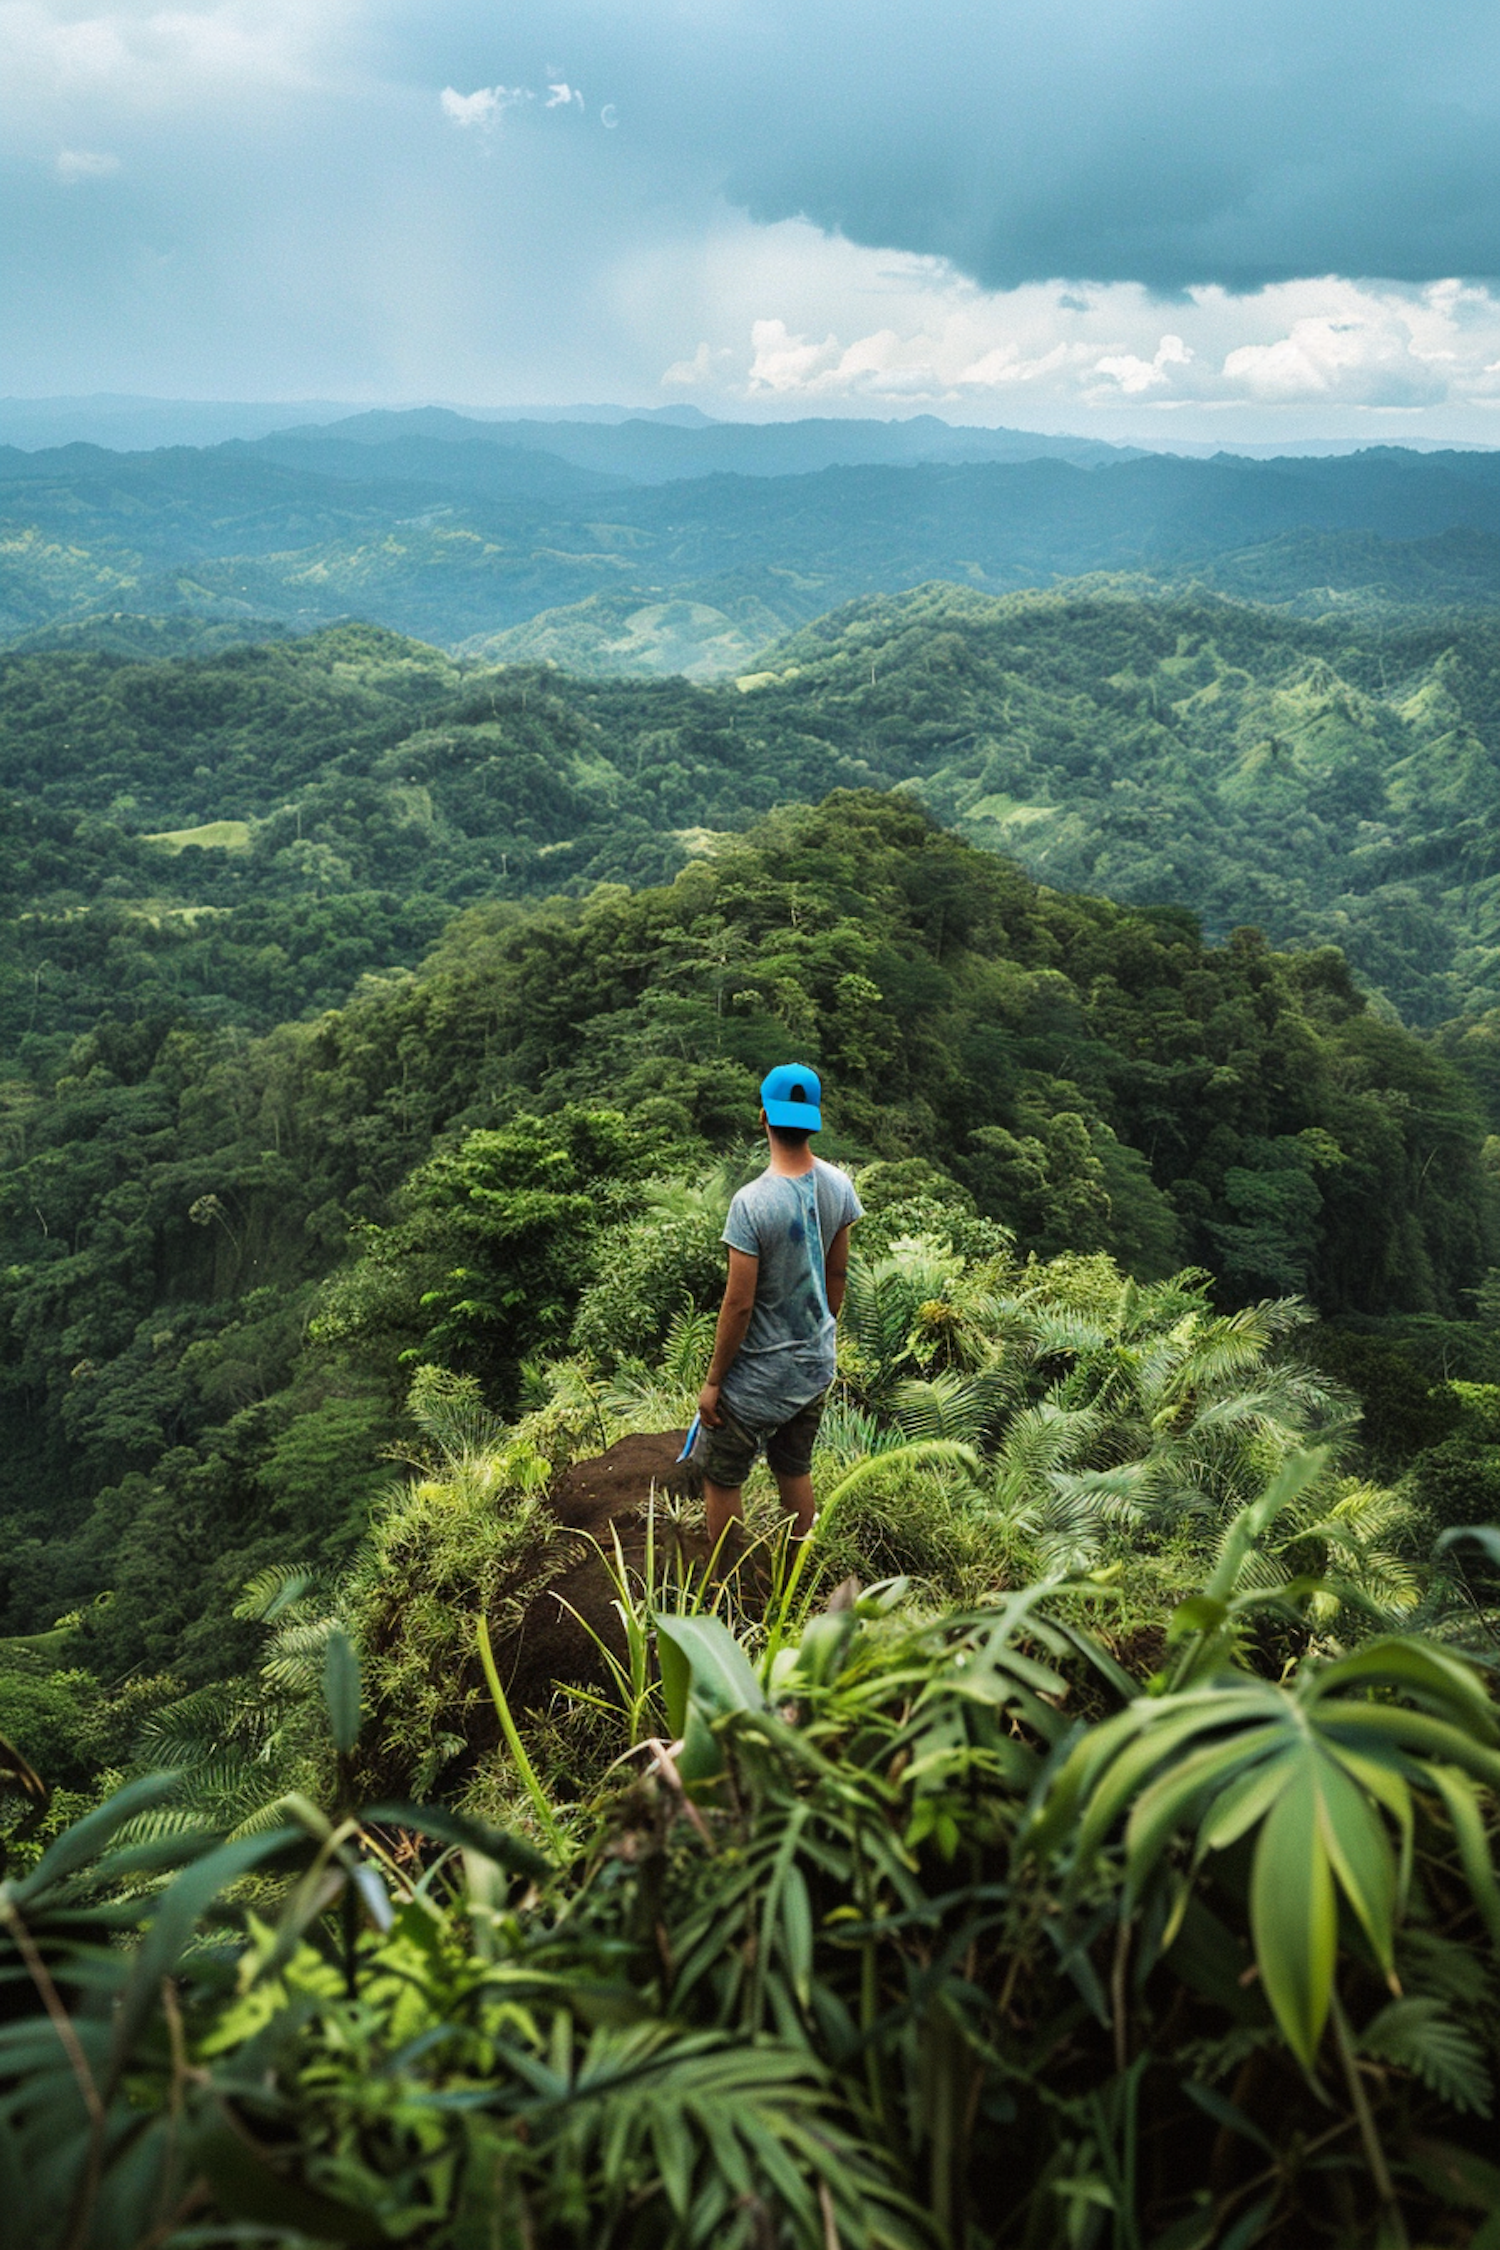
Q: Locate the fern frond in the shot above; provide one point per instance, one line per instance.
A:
(1419, 2035)
(1110, 1496)
(950, 1405)
(449, 1410)
(688, 1346)
(270, 1591)
(1039, 1441)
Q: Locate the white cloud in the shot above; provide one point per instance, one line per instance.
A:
(1005, 365)
(483, 109)
(155, 57)
(1135, 375)
(790, 321)
(691, 374)
(884, 364)
(75, 164)
(782, 362)
(1365, 358)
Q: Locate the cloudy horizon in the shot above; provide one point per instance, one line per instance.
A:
(1152, 224)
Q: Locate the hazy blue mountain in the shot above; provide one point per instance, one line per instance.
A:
(134, 424)
(469, 463)
(660, 449)
(464, 539)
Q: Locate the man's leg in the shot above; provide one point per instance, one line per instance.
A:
(722, 1506)
(789, 1451)
(724, 1453)
(797, 1498)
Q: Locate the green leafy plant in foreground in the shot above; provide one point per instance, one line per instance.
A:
(369, 2048)
(886, 1940)
(1299, 1872)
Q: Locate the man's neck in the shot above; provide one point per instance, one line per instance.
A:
(790, 1161)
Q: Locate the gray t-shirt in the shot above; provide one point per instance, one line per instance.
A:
(786, 1220)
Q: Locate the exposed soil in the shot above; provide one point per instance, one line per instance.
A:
(591, 1494)
(612, 1491)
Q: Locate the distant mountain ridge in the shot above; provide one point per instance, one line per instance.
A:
(589, 550)
(653, 450)
(129, 422)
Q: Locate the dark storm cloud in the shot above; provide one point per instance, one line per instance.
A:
(1172, 142)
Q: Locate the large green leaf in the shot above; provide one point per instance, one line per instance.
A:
(1148, 1734)
(1241, 1777)
(1457, 1792)
(1433, 1677)
(1322, 1772)
(701, 1658)
(1294, 1915)
(77, 1846)
(1486, 1536)
(341, 1690)
(1359, 1852)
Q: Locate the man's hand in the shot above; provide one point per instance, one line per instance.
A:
(708, 1407)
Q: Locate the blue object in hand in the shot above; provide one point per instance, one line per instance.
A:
(692, 1438)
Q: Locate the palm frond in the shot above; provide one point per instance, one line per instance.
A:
(951, 1404)
(849, 1432)
(1111, 1496)
(271, 1591)
(1038, 1442)
(1061, 1332)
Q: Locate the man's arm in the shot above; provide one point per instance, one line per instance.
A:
(734, 1319)
(836, 1270)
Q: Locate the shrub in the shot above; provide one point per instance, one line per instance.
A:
(468, 1537)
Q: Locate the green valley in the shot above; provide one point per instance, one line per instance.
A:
(381, 1029)
(1328, 782)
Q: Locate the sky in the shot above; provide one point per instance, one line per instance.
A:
(1148, 220)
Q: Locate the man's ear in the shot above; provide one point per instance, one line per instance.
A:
(764, 1121)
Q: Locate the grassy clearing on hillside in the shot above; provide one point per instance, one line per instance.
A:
(210, 836)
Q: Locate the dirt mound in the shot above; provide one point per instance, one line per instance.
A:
(592, 1493)
(612, 1489)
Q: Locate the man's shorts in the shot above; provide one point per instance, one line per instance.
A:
(725, 1455)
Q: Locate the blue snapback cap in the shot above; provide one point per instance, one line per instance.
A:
(790, 1095)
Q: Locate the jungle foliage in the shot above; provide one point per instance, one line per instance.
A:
(236, 837)
(223, 1256)
(1087, 1845)
(1057, 1916)
(1103, 1804)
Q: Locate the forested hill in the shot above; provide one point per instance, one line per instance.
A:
(219, 1257)
(237, 838)
(468, 535)
(1324, 787)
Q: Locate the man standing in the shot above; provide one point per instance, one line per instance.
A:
(788, 1237)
